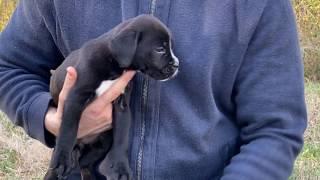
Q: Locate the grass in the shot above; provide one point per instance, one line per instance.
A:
(307, 165)
(311, 151)
(9, 161)
(20, 156)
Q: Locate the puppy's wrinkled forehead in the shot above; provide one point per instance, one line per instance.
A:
(148, 24)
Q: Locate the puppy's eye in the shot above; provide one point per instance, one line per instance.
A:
(160, 50)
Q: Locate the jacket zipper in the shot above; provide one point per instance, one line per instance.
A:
(153, 6)
(143, 126)
(143, 108)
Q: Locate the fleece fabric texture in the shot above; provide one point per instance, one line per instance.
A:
(236, 109)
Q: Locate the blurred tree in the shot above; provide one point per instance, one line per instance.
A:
(308, 18)
(6, 9)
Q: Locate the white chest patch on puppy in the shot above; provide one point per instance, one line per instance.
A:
(104, 86)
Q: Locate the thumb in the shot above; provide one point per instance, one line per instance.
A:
(69, 82)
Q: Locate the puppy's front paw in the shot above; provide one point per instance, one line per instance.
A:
(119, 172)
(51, 175)
(60, 169)
(117, 169)
(59, 173)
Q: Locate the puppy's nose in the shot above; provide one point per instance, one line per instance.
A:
(174, 62)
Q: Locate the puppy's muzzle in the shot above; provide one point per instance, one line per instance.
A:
(172, 69)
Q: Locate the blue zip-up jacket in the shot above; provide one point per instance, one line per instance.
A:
(236, 110)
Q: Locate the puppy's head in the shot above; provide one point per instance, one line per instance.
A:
(144, 43)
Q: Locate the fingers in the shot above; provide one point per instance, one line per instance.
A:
(51, 123)
(118, 87)
(69, 81)
(106, 127)
(96, 130)
(94, 119)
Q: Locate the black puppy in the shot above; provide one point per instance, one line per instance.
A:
(142, 43)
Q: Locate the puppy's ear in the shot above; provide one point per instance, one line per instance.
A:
(124, 46)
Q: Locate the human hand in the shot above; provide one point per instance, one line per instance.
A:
(97, 116)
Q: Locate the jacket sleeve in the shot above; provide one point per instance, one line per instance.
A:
(269, 98)
(27, 53)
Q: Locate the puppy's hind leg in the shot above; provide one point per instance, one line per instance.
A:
(92, 154)
(117, 159)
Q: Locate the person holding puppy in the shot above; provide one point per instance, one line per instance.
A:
(235, 111)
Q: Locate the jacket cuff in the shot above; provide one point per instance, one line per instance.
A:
(35, 118)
